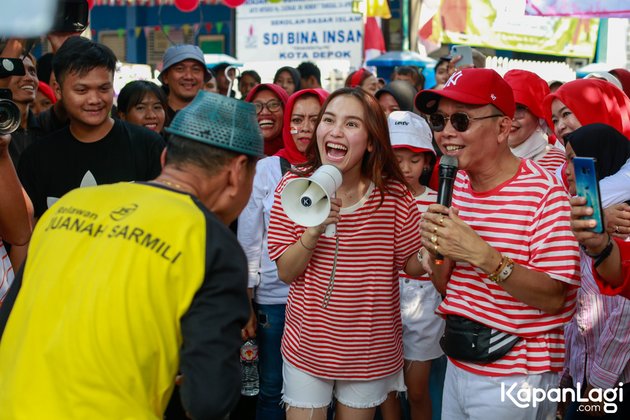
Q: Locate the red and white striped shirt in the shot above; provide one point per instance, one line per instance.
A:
(527, 218)
(598, 336)
(358, 336)
(423, 201)
(553, 159)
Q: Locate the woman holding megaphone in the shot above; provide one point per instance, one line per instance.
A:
(268, 291)
(343, 332)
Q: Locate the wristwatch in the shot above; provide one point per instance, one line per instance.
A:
(503, 271)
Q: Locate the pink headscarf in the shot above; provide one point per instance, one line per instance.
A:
(593, 101)
(290, 151)
(271, 145)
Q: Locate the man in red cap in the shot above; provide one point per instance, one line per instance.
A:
(527, 136)
(502, 255)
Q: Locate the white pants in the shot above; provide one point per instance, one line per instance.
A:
(475, 397)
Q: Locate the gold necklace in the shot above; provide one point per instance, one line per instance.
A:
(173, 185)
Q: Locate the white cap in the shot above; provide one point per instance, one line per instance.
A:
(410, 131)
(604, 76)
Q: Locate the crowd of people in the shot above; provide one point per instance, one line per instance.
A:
(144, 239)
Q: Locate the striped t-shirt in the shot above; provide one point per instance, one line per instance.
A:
(423, 201)
(358, 336)
(527, 218)
(553, 159)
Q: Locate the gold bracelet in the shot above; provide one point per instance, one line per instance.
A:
(305, 247)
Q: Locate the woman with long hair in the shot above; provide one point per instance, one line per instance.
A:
(343, 332)
(267, 290)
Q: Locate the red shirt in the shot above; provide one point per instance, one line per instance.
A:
(624, 288)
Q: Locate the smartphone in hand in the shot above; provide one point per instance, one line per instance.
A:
(586, 185)
(465, 51)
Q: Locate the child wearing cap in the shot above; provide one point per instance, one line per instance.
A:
(411, 140)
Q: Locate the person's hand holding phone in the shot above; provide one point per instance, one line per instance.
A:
(582, 225)
(461, 58)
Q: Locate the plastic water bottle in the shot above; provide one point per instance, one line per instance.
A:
(249, 368)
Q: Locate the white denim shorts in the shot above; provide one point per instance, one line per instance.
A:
(301, 390)
(422, 328)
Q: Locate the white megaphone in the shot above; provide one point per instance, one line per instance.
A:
(307, 200)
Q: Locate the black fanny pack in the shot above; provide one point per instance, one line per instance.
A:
(470, 341)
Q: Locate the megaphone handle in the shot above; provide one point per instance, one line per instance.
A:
(331, 229)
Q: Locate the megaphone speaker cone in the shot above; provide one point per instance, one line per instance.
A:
(307, 200)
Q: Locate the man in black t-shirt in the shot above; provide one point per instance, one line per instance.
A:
(93, 148)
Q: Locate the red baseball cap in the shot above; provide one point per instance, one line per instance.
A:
(473, 87)
(529, 90)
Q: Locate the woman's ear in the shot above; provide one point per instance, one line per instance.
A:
(370, 146)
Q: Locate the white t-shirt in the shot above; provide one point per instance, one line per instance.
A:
(253, 225)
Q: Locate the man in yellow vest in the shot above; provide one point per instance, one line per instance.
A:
(127, 284)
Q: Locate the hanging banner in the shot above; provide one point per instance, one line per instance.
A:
(583, 8)
(299, 30)
(502, 24)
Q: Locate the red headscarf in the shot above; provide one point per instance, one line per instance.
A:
(47, 91)
(624, 77)
(593, 101)
(290, 151)
(271, 145)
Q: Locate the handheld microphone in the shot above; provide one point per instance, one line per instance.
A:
(448, 172)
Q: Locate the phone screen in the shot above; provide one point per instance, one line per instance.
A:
(586, 185)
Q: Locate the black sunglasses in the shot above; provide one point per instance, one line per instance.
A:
(459, 120)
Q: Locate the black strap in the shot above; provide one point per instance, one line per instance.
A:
(285, 165)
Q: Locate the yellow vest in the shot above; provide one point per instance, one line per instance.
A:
(95, 331)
